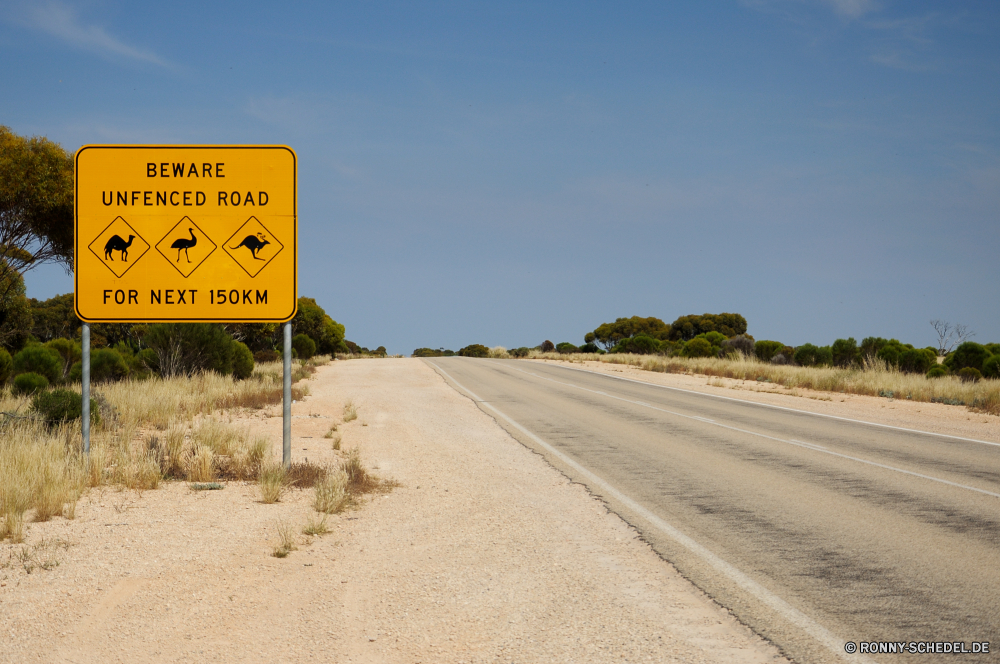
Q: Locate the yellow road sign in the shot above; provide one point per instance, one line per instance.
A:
(186, 202)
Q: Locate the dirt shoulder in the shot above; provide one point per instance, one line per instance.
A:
(484, 553)
(933, 417)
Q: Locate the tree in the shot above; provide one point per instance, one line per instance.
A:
(36, 203)
(328, 334)
(15, 312)
(54, 318)
(475, 350)
(187, 348)
(686, 328)
(609, 335)
(950, 335)
(845, 352)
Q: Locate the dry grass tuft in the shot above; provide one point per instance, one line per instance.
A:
(272, 480)
(499, 353)
(315, 526)
(331, 493)
(350, 412)
(286, 540)
(201, 465)
(335, 442)
(44, 555)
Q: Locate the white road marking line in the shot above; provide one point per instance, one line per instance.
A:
(824, 636)
(767, 405)
(808, 446)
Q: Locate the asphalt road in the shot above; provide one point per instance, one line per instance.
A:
(813, 531)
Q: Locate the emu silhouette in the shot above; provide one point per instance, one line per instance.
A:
(185, 244)
(116, 243)
(253, 243)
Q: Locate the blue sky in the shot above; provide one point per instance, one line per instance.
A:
(505, 173)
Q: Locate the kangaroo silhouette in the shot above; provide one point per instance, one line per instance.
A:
(185, 244)
(254, 243)
(116, 243)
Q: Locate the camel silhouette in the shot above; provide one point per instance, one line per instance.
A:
(116, 243)
(185, 244)
(254, 243)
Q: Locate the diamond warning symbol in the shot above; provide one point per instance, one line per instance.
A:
(185, 246)
(252, 246)
(119, 247)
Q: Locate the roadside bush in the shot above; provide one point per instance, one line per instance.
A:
(741, 344)
(29, 383)
(519, 352)
(304, 346)
(57, 406)
(640, 344)
(589, 347)
(475, 350)
(917, 360)
(970, 375)
(698, 347)
(426, 352)
(991, 367)
(6, 366)
(39, 360)
(266, 356)
(70, 351)
(148, 359)
(766, 350)
(546, 347)
(937, 371)
(187, 348)
(781, 358)
(107, 365)
(242, 361)
(808, 355)
(968, 354)
(845, 352)
(566, 347)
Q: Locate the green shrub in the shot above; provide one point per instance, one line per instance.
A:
(243, 361)
(806, 355)
(29, 383)
(546, 347)
(475, 350)
(640, 344)
(845, 352)
(519, 352)
(266, 356)
(426, 352)
(57, 406)
(890, 354)
(187, 348)
(39, 360)
(304, 346)
(991, 367)
(970, 375)
(70, 351)
(107, 365)
(147, 357)
(766, 350)
(566, 347)
(6, 366)
(917, 360)
(698, 347)
(937, 371)
(589, 347)
(968, 354)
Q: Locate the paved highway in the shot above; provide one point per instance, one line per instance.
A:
(814, 531)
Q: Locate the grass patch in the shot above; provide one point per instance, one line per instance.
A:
(870, 380)
(41, 556)
(207, 486)
(350, 412)
(273, 482)
(286, 540)
(331, 495)
(315, 526)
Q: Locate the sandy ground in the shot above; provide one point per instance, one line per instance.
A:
(934, 417)
(484, 553)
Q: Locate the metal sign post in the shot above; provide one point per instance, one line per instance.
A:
(85, 380)
(186, 234)
(286, 409)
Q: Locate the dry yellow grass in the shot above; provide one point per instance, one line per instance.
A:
(331, 494)
(874, 379)
(350, 412)
(272, 480)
